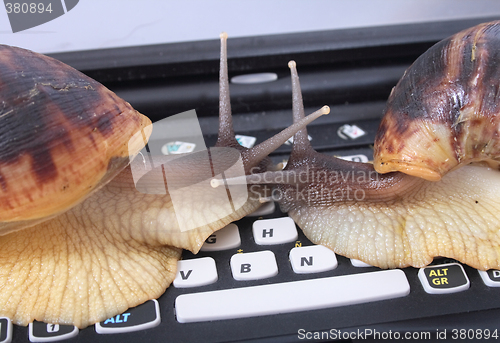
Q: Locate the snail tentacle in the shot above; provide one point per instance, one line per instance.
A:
(226, 136)
(389, 220)
(92, 258)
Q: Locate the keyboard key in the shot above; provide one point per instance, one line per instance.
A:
(226, 238)
(6, 328)
(351, 131)
(444, 278)
(246, 141)
(312, 259)
(359, 264)
(195, 272)
(265, 209)
(142, 317)
(276, 298)
(42, 332)
(355, 158)
(490, 277)
(254, 265)
(274, 231)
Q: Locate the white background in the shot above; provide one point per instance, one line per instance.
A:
(95, 24)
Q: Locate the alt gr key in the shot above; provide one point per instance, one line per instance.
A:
(443, 278)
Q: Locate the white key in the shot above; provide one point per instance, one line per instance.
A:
(274, 231)
(491, 278)
(195, 272)
(226, 238)
(6, 329)
(246, 141)
(312, 259)
(277, 298)
(254, 265)
(266, 208)
(358, 263)
(351, 131)
(355, 158)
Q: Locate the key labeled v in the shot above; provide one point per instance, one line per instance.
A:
(185, 276)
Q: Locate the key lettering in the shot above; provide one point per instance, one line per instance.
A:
(121, 318)
(440, 281)
(267, 233)
(185, 276)
(245, 268)
(52, 327)
(496, 273)
(438, 272)
(304, 261)
(211, 239)
(438, 276)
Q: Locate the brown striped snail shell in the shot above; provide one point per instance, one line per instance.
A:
(443, 114)
(62, 135)
(80, 243)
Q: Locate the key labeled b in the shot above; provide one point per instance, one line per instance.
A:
(254, 265)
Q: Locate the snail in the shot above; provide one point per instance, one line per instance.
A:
(444, 112)
(433, 189)
(79, 242)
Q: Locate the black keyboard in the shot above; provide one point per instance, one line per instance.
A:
(260, 279)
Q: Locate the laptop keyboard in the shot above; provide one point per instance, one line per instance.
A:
(260, 279)
(274, 298)
(262, 272)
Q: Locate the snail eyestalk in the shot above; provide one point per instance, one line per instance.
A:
(216, 183)
(226, 135)
(301, 137)
(254, 155)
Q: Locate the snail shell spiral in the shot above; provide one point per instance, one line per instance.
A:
(445, 110)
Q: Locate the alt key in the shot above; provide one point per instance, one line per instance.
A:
(444, 278)
(142, 317)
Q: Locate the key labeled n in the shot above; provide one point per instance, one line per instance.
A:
(306, 261)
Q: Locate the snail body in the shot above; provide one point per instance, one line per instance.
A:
(440, 117)
(79, 242)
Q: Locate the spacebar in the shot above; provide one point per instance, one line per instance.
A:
(291, 296)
